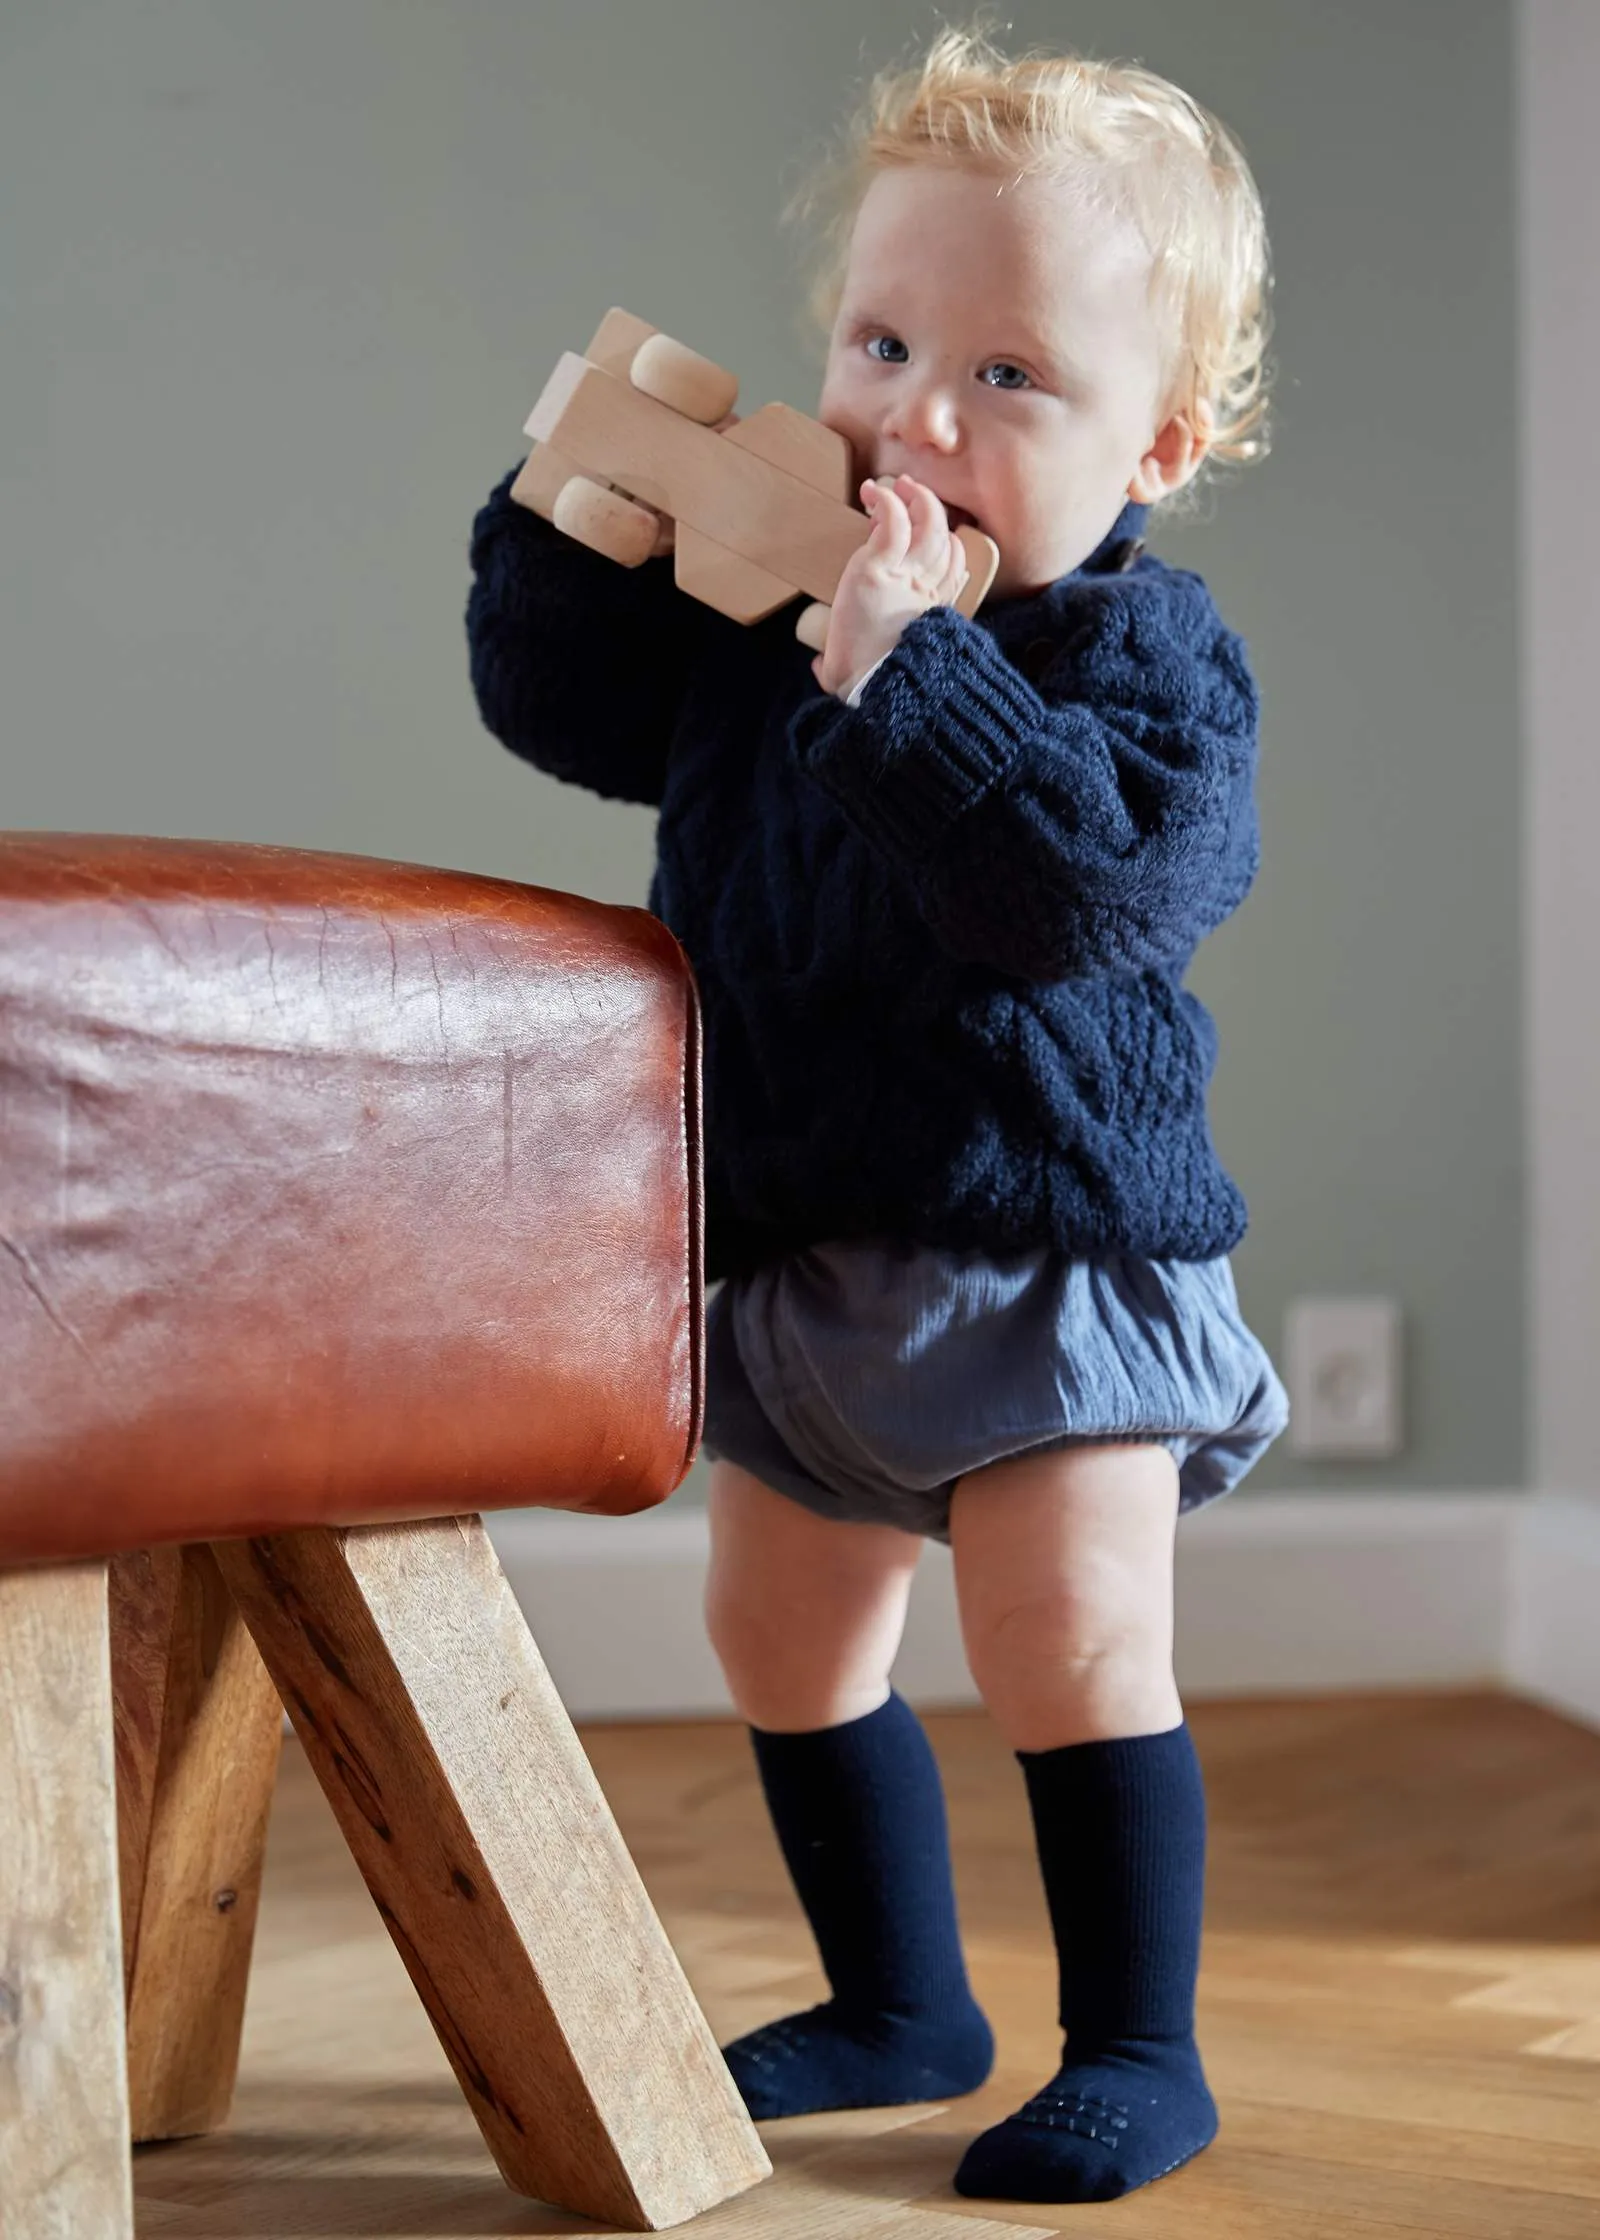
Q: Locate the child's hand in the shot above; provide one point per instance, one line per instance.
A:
(911, 562)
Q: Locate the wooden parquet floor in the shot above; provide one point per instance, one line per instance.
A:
(1400, 2006)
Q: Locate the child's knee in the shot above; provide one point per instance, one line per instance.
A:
(1053, 1671)
(787, 1672)
(795, 1694)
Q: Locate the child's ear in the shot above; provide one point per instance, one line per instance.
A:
(1175, 456)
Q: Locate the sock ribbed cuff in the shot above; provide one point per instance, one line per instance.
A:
(1121, 1830)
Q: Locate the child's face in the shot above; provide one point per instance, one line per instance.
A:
(996, 340)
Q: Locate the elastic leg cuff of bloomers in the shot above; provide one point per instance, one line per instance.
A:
(865, 1380)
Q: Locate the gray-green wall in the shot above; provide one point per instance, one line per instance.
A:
(279, 280)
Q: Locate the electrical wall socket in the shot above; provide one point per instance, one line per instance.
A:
(1343, 1369)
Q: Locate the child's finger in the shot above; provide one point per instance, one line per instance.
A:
(953, 581)
(891, 525)
(953, 558)
(930, 526)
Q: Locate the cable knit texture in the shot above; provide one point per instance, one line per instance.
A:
(941, 937)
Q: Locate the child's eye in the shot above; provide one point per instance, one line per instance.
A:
(1004, 375)
(888, 349)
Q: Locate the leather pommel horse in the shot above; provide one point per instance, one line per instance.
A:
(339, 1201)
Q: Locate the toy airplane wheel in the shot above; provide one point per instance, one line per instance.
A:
(606, 521)
(684, 381)
(812, 627)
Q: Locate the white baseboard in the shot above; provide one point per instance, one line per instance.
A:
(1286, 1594)
(1553, 1616)
(1276, 1594)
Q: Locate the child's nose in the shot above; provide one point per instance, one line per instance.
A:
(925, 417)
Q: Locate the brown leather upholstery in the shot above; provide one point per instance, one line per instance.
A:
(333, 1191)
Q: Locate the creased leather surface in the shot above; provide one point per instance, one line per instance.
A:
(334, 1190)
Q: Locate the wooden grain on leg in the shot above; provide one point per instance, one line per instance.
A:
(144, 1604)
(63, 2084)
(494, 1860)
(205, 1700)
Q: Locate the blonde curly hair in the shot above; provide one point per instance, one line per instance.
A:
(1129, 135)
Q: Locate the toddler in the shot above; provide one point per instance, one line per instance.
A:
(940, 887)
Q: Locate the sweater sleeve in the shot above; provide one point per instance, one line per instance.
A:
(1102, 822)
(579, 665)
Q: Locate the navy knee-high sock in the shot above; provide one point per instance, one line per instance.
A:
(1121, 1828)
(859, 1814)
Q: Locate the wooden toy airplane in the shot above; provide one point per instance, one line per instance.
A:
(762, 509)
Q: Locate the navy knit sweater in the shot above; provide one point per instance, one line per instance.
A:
(939, 938)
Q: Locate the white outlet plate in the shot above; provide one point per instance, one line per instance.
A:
(1342, 1364)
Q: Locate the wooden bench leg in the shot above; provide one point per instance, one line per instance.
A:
(199, 1725)
(474, 1814)
(144, 1607)
(63, 2084)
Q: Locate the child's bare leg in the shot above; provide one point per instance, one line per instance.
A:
(806, 1616)
(1064, 1579)
(1064, 1582)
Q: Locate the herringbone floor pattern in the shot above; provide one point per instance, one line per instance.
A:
(1400, 2008)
